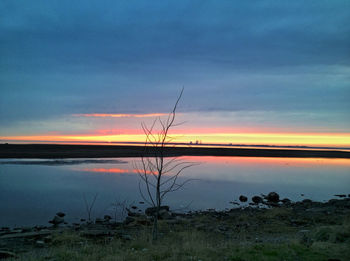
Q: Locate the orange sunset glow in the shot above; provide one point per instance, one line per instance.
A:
(259, 161)
(111, 115)
(292, 139)
(114, 170)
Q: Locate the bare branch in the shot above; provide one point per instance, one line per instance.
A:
(165, 173)
(89, 206)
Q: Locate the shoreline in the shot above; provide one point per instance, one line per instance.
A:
(308, 229)
(54, 151)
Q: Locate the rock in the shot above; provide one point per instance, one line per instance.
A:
(27, 234)
(17, 230)
(273, 197)
(128, 220)
(126, 237)
(143, 222)
(39, 243)
(38, 228)
(47, 239)
(164, 214)
(7, 254)
(99, 221)
(57, 220)
(131, 213)
(152, 211)
(340, 195)
(107, 217)
(303, 231)
(60, 214)
(243, 198)
(257, 199)
(307, 201)
(286, 201)
(316, 210)
(27, 229)
(97, 233)
(173, 221)
(222, 228)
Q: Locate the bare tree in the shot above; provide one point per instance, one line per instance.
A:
(159, 173)
(119, 209)
(89, 205)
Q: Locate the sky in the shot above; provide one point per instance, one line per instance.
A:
(253, 72)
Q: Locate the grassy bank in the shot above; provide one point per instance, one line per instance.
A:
(191, 245)
(295, 231)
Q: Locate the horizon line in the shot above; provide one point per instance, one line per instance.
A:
(189, 144)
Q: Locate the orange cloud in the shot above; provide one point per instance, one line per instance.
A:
(120, 115)
(114, 170)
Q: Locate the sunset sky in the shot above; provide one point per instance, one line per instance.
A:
(254, 72)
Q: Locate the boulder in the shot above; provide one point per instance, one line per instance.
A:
(152, 211)
(257, 199)
(107, 217)
(273, 197)
(307, 201)
(286, 201)
(164, 214)
(57, 221)
(243, 198)
(340, 195)
(60, 214)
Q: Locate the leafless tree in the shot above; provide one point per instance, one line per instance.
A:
(89, 205)
(119, 209)
(159, 173)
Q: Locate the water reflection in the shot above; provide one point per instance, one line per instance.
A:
(113, 170)
(32, 194)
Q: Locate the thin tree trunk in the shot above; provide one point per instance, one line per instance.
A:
(158, 200)
(155, 228)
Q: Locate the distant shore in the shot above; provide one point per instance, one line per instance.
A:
(53, 151)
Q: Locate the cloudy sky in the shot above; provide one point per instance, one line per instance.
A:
(253, 69)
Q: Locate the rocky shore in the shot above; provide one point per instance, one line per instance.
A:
(266, 220)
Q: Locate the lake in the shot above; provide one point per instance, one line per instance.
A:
(32, 191)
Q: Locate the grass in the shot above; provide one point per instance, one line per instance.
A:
(191, 244)
(245, 235)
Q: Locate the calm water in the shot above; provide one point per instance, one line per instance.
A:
(32, 191)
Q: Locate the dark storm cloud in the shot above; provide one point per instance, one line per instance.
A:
(62, 57)
(99, 36)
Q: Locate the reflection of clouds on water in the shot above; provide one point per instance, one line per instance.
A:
(42, 187)
(62, 162)
(114, 170)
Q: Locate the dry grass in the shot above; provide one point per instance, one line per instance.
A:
(189, 245)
